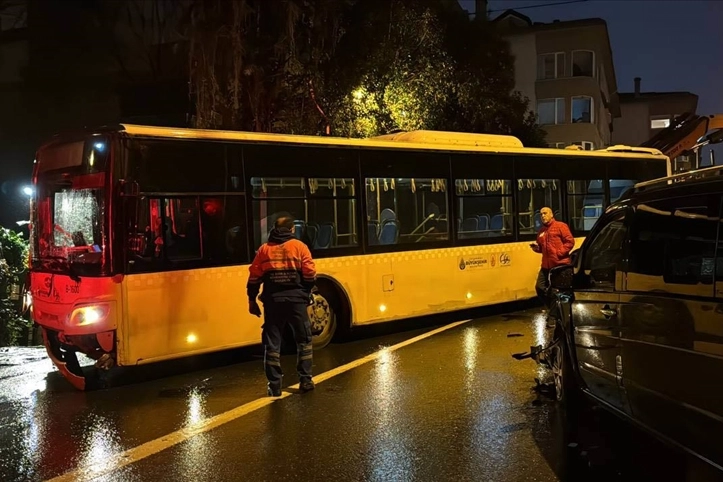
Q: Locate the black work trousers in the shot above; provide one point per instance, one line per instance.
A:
(276, 316)
(541, 286)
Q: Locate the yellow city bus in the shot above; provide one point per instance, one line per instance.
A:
(142, 236)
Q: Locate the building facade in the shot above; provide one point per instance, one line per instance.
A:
(566, 70)
(644, 114)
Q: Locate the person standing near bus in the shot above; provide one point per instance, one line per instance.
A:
(285, 268)
(554, 242)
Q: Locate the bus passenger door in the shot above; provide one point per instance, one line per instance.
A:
(595, 311)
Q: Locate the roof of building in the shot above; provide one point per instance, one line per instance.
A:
(538, 26)
(646, 96)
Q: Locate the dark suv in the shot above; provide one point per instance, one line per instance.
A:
(640, 313)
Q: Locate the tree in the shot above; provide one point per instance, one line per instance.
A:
(422, 64)
(140, 37)
(398, 74)
(351, 67)
(13, 256)
(254, 64)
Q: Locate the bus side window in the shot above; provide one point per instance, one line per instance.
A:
(484, 208)
(324, 209)
(406, 210)
(224, 230)
(533, 195)
(585, 203)
(182, 229)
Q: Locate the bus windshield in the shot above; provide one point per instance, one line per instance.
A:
(68, 216)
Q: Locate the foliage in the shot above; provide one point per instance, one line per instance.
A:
(254, 62)
(352, 68)
(422, 64)
(399, 75)
(13, 258)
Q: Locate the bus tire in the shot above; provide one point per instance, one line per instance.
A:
(323, 314)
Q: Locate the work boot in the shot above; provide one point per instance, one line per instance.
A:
(306, 386)
(273, 391)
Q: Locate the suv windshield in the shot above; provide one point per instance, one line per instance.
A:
(68, 215)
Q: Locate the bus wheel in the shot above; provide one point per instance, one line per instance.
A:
(323, 319)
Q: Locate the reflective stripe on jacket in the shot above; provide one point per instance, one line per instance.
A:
(285, 268)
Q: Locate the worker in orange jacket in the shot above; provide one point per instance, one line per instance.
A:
(285, 268)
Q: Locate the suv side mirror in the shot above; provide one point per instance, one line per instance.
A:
(561, 277)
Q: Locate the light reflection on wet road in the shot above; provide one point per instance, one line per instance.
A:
(454, 406)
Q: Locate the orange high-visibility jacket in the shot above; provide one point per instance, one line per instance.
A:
(285, 268)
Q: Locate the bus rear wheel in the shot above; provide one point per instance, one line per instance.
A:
(322, 316)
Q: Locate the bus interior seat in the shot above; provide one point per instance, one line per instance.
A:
(311, 233)
(484, 222)
(497, 222)
(470, 224)
(387, 215)
(389, 233)
(326, 237)
(299, 228)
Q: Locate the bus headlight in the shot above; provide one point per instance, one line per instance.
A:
(88, 315)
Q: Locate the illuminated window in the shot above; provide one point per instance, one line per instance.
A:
(586, 145)
(659, 123)
(551, 111)
(582, 109)
(551, 66)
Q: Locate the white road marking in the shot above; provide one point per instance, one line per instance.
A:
(147, 449)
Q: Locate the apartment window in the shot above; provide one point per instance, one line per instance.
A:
(551, 66)
(583, 63)
(586, 145)
(551, 111)
(582, 109)
(659, 123)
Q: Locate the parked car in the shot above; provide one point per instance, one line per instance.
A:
(639, 326)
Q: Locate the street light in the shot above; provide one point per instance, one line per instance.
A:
(28, 190)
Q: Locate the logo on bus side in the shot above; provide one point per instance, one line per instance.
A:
(474, 262)
(505, 259)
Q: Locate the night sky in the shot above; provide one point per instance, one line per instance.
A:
(671, 45)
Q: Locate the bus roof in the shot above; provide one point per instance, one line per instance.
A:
(421, 139)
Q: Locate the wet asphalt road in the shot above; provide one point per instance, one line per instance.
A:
(453, 406)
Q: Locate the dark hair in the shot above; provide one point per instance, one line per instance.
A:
(284, 221)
